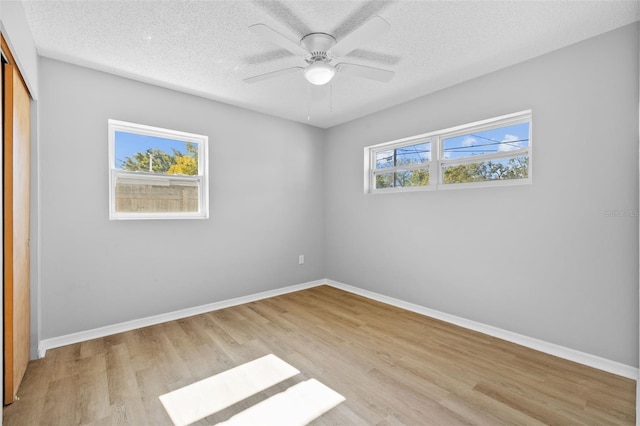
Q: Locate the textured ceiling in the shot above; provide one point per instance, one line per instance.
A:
(205, 47)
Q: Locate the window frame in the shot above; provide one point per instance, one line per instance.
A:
(410, 141)
(201, 179)
(438, 162)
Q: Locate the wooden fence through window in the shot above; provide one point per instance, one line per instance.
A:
(141, 198)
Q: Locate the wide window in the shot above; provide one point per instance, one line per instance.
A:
(489, 152)
(156, 173)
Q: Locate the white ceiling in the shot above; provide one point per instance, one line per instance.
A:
(205, 48)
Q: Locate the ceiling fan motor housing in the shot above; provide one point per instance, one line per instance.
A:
(317, 44)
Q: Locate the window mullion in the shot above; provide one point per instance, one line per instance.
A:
(434, 167)
(395, 166)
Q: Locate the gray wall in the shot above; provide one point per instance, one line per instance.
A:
(543, 260)
(265, 204)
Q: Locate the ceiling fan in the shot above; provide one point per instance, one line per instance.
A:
(320, 49)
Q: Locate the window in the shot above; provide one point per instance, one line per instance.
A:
(403, 166)
(156, 173)
(489, 152)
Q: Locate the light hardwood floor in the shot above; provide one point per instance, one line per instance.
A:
(393, 367)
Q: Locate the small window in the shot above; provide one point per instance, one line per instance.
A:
(156, 173)
(490, 152)
(403, 166)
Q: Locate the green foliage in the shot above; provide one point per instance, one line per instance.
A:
(160, 161)
(192, 148)
(418, 177)
(384, 181)
(516, 168)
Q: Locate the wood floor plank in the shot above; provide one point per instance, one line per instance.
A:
(394, 367)
(93, 397)
(151, 384)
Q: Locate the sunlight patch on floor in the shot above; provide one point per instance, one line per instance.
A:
(201, 399)
(296, 406)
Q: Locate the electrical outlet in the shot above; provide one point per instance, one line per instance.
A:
(301, 259)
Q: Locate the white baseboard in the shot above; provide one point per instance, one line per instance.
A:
(529, 342)
(540, 345)
(81, 336)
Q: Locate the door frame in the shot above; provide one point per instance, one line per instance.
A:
(8, 58)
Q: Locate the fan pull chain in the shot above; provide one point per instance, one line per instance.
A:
(309, 104)
(330, 97)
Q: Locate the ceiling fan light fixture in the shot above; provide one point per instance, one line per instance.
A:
(319, 73)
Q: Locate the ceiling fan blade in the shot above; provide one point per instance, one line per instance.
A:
(272, 74)
(364, 34)
(371, 73)
(275, 37)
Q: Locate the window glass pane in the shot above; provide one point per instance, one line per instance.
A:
(384, 180)
(384, 159)
(500, 169)
(142, 153)
(498, 140)
(156, 195)
(414, 154)
(418, 177)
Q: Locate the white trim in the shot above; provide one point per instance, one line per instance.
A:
(485, 184)
(529, 342)
(638, 381)
(81, 336)
(504, 155)
(37, 236)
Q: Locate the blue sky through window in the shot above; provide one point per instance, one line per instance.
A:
(414, 154)
(503, 139)
(127, 144)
